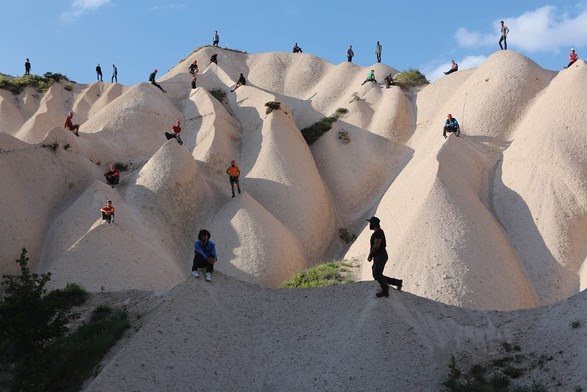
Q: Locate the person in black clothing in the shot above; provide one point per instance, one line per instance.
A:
(114, 77)
(27, 67)
(350, 54)
(194, 67)
(454, 67)
(389, 81)
(241, 82)
(379, 256)
(98, 73)
(214, 59)
(297, 49)
(153, 82)
(194, 79)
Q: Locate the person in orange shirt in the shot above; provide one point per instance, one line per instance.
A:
(70, 125)
(108, 212)
(573, 57)
(234, 173)
(174, 134)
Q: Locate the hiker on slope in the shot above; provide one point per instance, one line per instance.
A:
(573, 57)
(241, 82)
(112, 176)
(204, 255)
(297, 49)
(454, 67)
(370, 78)
(108, 212)
(152, 77)
(98, 73)
(378, 254)
(70, 125)
(451, 125)
(174, 134)
(194, 67)
(234, 172)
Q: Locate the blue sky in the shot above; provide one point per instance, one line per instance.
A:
(72, 36)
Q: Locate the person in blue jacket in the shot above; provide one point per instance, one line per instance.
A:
(204, 255)
(451, 125)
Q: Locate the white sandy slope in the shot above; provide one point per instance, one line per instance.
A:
(230, 335)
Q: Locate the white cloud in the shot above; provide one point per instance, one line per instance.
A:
(437, 72)
(544, 29)
(81, 7)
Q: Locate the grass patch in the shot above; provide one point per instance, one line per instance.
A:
(40, 83)
(271, 106)
(68, 87)
(326, 274)
(410, 78)
(340, 111)
(51, 146)
(314, 131)
(72, 295)
(121, 166)
(66, 146)
(346, 235)
(512, 371)
(576, 324)
(220, 95)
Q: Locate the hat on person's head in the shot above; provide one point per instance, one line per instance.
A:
(572, 49)
(374, 220)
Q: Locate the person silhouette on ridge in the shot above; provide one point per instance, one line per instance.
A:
(98, 73)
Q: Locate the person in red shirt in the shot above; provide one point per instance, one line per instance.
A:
(108, 212)
(572, 57)
(174, 134)
(234, 173)
(70, 125)
(112, 176)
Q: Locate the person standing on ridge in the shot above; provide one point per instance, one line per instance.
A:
(204, 255)
(378, 50)
(297, 49)
(70, 125)
(114, 77)
(234, 173)
(370, 78)
(27, 67)
(504, 36)
(214, 59)
(454, 67)
(241, 82)
(152, 77)
(350, 54)
(194, 67)
(215, 39)
(378, 254)
(174, 134)
(112, 176)
(98, 73)
(573, 57)
(451, 125)
(108, 212)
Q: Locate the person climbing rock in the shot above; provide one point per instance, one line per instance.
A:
(504, 36)
(214, 59)
(108, 212)
(204, 255)
(378, 50)
(350, 54)
(98, 73)
(194, 67)
(370, 78)
(174, 134)
(573, 57)
(451, 125)
(194, 79)
(215, 39)
(389, 81)
(454, 67)
(27, 67)
(240, 82)
(234, 173)
(152, 77)
(70, 125)
(112, 176)
(378, 254)
(297, 49)
(114, 77)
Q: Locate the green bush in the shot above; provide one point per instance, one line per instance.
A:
(271, 106)
(410, 78)
(220, 95)
(326, 274)
(346, 236)
(314, 131)
(39, 83)
(51, 146)
(340, 111)
(576, 324)
(72, 295)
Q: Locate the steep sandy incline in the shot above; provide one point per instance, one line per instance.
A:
(93, 98)
(230, 335)
(541, 187)
(10, 117)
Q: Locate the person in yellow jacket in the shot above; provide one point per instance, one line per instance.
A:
(234, 173)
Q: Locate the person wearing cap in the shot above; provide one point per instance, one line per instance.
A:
(204, 255)
(152, 77)
(108, 212)
(350, 54)
(572, 57)
(174, 134)
(378, 49)
(504, 36)
(70, 125)
(98, 73)
(240, 82)
(451, 125)
(297, 49)
(378, 254)
(370, 78)
(454, 67)
(234, 173)
(112, 176)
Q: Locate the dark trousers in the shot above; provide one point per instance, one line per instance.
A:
(503, 39)
(154, 83)
(171, 135)
(27, 71)
(384, 281)
(571, 63)
(107, 218)
(112, 180)
(369, 80)
(449, 72)
(378, 57)
(234, 180)
(451, 129)
(349, 59)
(201, 262)
(114, 78)
(99, 76)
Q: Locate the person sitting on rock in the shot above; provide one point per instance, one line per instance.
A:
(194, 67)
(204, 255)
(370, 78)
(108, 212)
(451, 125)
(573, 57)
(174, 134)
(234, 173)
(152, 77)
(112, 176)
(454, 67)
(389, 81)
(214, 59)
(297, 49)
(240, 82)
(70, 125)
